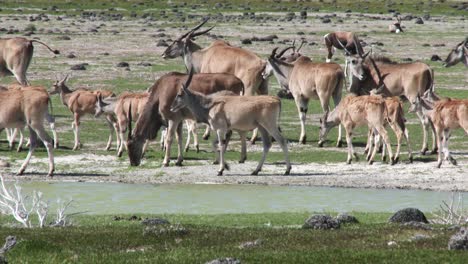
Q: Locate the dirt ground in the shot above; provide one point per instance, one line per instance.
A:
(134, 41)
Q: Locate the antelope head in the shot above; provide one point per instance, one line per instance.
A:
(357, 67)
(58, 86)
(457, 54)
(104, 105)
(176, 49)
(268, 71)
(420, 104)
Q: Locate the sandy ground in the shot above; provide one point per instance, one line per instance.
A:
(108, 168)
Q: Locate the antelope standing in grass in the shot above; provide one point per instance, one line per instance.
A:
(395, 118)
(354, 111)
(157, 112)
(222, 113)
(15, 57)
(389, 78)
(27, 107)
(12, 133)
(458, 54)
(306, 79)
(81, 102)
(445, 115)
(395, 27)
(119, 107)
(349, 39)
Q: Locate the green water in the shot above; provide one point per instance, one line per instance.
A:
(117, 198)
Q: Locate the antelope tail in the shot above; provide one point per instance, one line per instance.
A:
(40, 42)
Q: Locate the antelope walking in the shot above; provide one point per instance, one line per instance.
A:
(157, 113)
(354, 111)
(389, 78)
(27, 107)
(306, 79)
(15, 57)
(338, 39)
(81, 102)
(222, 113)
(445, 115)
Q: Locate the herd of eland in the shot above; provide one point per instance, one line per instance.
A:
(226, 88)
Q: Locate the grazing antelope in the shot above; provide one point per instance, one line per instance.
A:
(220, 57)
(157, 113)
(15, 57)
(354, 111)
(27, 107)
(306, 79)
(347, 41)
(222, 113)
(457, 54)
(119, 107)
(395, 27)
(389, 78)
(445, 115)
(81, 102)
(395, 118)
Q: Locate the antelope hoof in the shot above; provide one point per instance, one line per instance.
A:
(255, 172)
(179, 163)
(226, 166)
(453, 161)
(396, 160)
(304, 139)
(20, 172)
(165, 164)
(242, 160)
(384, 158)
(339, 144)
(348, 161)
(356, 156)
(206, 137)
(198, 149)
(220, 173)
(368, 157)
(423, 151)
(411, 159)
(380, 149)
(186, 149)
(392, 161)
(439, 164)
(216, 162)
(288, 170)
(252, 141)
(371, 162)
(434, 151)
(50, 174)
(19, 149)
(119, 154)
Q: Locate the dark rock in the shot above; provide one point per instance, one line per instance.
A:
(426, 45)
(123, 64)
(145, 64)
(408, 215)
(321, 222)
(79, 67)
(246, 41)
(303, 14)
(162, 43)
(106, 54)
(63, 38)
(71, 56)
(300, 33)
(134, 218)
(224, 261)
(417, 225)
(407, 59)
(419, 20)
(155, 221)
(435, 58)
(459, 241)
(326, 20)
(427, 16)
(345, 218)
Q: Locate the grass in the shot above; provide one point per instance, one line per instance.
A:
(100, 239)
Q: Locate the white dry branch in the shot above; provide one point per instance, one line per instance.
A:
(13, 202)
(451, 213)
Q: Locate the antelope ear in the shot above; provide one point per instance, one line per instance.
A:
(365, 55)
(321, 121)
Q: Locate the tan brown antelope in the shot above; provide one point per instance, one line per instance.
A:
(27, 107)
(119, 106)
(157, 112)
(306, 79)
(349, 39)
(392, 79)
(15, 57)
(458, 54)
(395, 27)
(445, 115)
(396, 119)
(220, 57)
(81, 102)
(223, 115)
(354, 111)
(50, 119)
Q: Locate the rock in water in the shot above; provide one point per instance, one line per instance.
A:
(459, 241)
(408, 215)
(321, 222)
